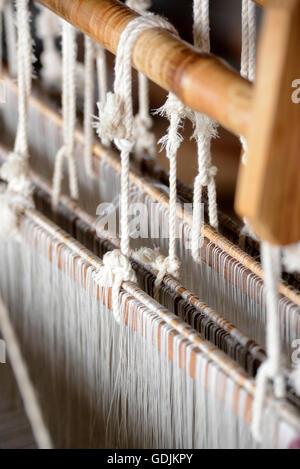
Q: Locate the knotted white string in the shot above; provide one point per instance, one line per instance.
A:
(69, 51)
(48, 28)
(205, 130)
(144, 138)
(175, 111)
(159, 263)
(272, 368)
(93, 52)
(116, 270)
(26, 388)
(116, 122)
(15, 172)
(248, 56)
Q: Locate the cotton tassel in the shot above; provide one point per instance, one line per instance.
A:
(18, 194)
(48, 28)
(205, 130)
(145, 141)
(116, 122)
(69, 117)
(248, 56)
(272, 369)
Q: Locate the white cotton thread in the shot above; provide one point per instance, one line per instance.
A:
(93, 53)
(272, 368)
(26, 388)
(248, 54)
(89, 90)
(205, 130)
(175, 111)
(17, 195)
(48, 28)
(144, 138)
(69, 51)
(101, 67)
(116, 123)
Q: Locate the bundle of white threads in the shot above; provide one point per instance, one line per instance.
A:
(272, 369)
(18, 193)
(69, 51)
(205, 130)
(48, 29)
(116, 122)
(145, 141)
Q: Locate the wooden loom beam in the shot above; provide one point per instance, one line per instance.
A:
(203, 82)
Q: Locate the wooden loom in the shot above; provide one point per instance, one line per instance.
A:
(207, 85)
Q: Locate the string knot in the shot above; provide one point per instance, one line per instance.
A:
(291, 258)
(15, 172)
(111, 122)
(159, 263)
(124, 144)
(12, 205)
(116, 270)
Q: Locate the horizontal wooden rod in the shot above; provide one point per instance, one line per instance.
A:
(203, 82)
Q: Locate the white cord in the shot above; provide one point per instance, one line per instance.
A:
(89, 90)
(271, 369)
(205, 130)
(69, 51)
(248, 56)
(26, 388)
(116, 122)
(144, 138)
(48, 28)
(15, 172)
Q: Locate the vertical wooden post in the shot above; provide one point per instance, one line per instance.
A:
(268, 191)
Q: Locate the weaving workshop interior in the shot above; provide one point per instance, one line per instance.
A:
(150, 224)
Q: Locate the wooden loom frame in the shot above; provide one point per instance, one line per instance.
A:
(206, 348)
(268, 191)
(107, 155)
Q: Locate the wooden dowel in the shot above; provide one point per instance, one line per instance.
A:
(203, 82)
